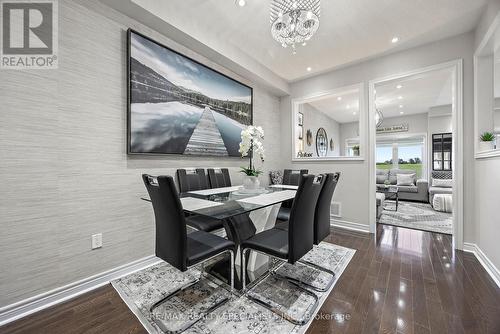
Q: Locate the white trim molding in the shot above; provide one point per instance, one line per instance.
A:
(42, 301)
(488, 154)
(349, 225)
(490, 268)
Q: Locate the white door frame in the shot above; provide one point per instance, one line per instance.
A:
(457, 120)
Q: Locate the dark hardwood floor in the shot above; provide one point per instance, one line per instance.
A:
(402, 281)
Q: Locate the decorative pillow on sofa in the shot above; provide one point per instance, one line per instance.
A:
(405, 179)
(393, 173)
(442, 183)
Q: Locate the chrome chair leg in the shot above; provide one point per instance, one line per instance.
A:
(283, 314)
(172, 294)
(306, 284)
(267, 305)
(232, 271)
(209, 310)
(243, 268)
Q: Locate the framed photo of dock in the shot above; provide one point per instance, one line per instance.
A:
(177, 105)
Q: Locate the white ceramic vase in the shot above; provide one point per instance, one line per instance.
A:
(251, 182)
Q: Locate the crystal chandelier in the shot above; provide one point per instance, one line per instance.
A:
(294, 22)
(379, 117)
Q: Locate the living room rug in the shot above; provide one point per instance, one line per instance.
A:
(420, 216)
(142, 289)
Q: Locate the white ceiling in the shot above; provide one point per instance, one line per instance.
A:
(345, 110)
(417, 94)
(350, 30)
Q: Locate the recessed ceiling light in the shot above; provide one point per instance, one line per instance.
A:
(354, 113)
(399, 86)
(401, 112)
(308, 69)
(400, 97)
(348, 106)
(395, 39)
(339, 98)
(401, 106)
(241, 3)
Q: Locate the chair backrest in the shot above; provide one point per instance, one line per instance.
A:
(219, 177)
(171, 235)
(191, 179)
(301, 223)
(322, 213)
(292, 177)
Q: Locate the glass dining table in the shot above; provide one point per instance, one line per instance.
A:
(243, 213)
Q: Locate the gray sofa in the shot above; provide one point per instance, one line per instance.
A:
(419, 191)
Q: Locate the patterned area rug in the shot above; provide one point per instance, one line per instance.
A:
(142, 289)
(420, 216)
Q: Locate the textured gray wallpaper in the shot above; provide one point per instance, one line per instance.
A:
(64, 172)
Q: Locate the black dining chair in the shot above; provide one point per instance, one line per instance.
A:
(192, 180)
(289, 245)
(173, 244)
(219, 178)
(291, 177)
(321, 224)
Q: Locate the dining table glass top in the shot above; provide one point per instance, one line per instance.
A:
(223, 203)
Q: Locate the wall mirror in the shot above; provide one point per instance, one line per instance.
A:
(487, 92)
(327, 126)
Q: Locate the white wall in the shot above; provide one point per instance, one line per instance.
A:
(487, 179)
(416, 123)
(348, 131)
(353, 188)
(64, 169)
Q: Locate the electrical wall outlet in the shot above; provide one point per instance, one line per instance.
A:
(96, 240)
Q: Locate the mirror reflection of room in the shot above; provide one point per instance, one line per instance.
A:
(414, 151)
(328, 127)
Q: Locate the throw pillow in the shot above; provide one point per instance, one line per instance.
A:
(276, 177)
(405, 179)
(443, 183)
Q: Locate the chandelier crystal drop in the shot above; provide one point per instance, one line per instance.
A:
(294, 22)
(379, 117)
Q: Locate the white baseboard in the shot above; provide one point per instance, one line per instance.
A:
(490, 268)
(37, 303)
(349, 225)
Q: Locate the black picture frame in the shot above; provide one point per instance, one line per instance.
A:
(131, 31)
